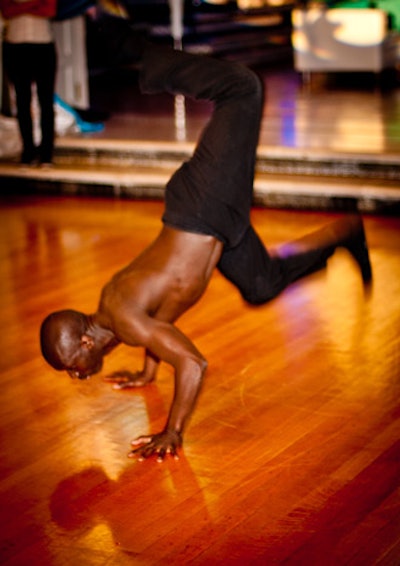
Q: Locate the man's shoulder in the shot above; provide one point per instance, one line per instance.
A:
(132, 325)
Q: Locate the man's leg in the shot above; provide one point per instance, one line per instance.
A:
(348, 233)
(260, 277)
(222, 167)
(221, 170)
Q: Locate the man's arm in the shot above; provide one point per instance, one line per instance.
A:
(169, 344)
(126, 379)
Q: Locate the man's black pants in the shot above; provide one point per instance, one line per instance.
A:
(212, 192)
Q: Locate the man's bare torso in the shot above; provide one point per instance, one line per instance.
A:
(164, 281)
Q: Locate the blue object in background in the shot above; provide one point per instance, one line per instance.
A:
(82, 125)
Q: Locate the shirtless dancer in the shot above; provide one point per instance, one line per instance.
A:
(206, 224)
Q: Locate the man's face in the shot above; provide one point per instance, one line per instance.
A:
(84, 363)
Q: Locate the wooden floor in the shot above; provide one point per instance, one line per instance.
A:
(293, 453)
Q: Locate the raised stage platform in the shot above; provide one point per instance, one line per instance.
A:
(334, 144)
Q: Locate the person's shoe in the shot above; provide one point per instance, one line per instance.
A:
(46, 165)
(28, 159)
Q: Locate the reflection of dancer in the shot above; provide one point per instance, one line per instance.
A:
(30, 57)
(206, 225)
(89, 498)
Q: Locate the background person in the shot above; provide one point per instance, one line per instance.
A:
(29, 56)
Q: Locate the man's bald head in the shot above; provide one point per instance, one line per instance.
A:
(60, 336)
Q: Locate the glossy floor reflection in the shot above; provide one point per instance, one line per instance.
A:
(293, 453)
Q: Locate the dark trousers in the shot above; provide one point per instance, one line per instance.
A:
(212, 192)
(25, 64)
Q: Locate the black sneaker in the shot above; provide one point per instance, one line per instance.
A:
(28, 158)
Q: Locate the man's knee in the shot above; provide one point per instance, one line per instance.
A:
(267, 284)
(253, 82)
(243, 82)
(261, 292)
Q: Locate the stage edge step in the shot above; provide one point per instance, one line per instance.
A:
(139, 182)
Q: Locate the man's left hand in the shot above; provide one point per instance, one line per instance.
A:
(159, 445)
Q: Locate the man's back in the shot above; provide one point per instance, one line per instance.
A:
(164, 281)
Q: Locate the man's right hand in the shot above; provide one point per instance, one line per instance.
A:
(126, 379)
